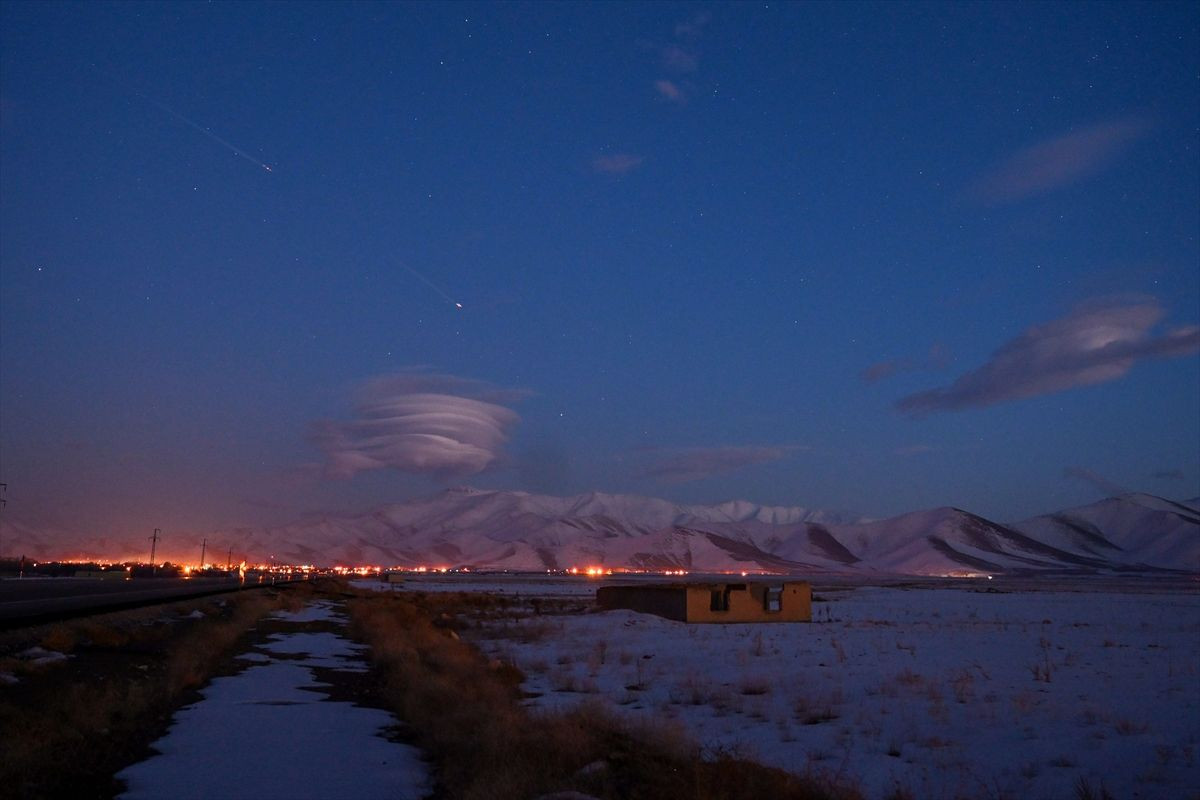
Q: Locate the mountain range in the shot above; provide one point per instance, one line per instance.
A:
(518, 531)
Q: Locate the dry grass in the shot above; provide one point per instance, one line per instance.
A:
(81, 721)
(466, 713)
(1129, 727)
(691, 690)
(1085, 791)
(61, 638)
(963, 685)
(755, 685)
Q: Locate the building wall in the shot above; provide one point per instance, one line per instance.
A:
(665, 601)
(747, 602)
(693, 602)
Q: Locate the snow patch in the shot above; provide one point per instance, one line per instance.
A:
(319, 611)
(300, 744)
(939, 691)
(40, 656)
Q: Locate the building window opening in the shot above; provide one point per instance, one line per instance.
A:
(718, 600)
(773, 599)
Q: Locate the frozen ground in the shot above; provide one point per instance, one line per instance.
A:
(512, 585)
(947, 693)
(269, 731)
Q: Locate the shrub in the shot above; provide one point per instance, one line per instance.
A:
(485, 744)
(1085, 791)
(755, 686)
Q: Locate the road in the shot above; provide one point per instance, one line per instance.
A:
(31, 601)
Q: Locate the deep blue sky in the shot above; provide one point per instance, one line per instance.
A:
(873, 257)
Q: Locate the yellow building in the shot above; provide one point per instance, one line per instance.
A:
(757, 601)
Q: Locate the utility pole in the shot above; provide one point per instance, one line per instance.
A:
(154, 543)
(3, 503)
(229, 560)
(203, 546)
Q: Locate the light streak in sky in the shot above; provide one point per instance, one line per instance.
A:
(432, 285)
(166, 109)
(191, 124)
(236, 150)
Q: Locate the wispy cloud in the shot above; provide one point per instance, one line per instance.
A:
(1168, 475)
(670, 90)
(422, 423)
(1061, 161)
(1103, 484)
(1094, 344)
(617, 163)
(885, 369)
(260, 502)
(682, 465)
(681, 57)
(937, 359)
(677, 59)
(694, 26)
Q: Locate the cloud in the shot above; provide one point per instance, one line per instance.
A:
(937, 359)
(1168, 475)
(422, 423)
(681, 57)
(1106, 487)
(885, 369)
(677, 59)
(693, 463)
(670, 90)
(692, 28)
(617, 163)
(1094, 344)
(259, 502)
(1059, 162)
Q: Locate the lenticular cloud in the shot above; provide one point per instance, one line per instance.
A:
(1060, 161)
(419, 423)
(1092, 345)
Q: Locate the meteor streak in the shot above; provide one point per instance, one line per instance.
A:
(166, 109)
(236, 150)
(432, 285)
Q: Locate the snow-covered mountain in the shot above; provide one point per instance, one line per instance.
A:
(482, 529)
(1133, 529)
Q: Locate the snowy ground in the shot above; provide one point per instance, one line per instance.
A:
(513, 585)
(946, 692)
(269, 731)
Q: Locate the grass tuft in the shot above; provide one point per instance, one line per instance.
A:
(81, 721)
(1085, 791)
(486, 744)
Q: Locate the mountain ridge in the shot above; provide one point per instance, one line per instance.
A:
(522, 531)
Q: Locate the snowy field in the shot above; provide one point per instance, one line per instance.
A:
(516, 585)
(945, 692)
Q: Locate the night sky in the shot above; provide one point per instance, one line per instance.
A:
(850, 256)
